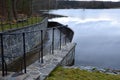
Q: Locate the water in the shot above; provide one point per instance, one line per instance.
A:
(97, 34)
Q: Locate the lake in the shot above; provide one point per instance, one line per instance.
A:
(97, 34)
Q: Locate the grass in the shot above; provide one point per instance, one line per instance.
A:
(61, 73)
(29, 21)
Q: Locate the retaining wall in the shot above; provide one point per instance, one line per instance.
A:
(40, 71)
(13, 40)
(63, 57)
(69, 59)
(64, 29)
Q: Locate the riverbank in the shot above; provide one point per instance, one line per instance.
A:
(94, 69)
(62, 73)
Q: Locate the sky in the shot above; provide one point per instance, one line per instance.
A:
(99, 0)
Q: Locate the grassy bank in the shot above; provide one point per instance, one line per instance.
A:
(29, 21)
(77, 74)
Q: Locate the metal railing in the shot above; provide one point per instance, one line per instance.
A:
(68, 60)
(18, 47)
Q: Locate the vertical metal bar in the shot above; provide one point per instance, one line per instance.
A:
(65, 39)
(53, 41)
(5, 67)
(21, 59)
(41, 46)
(74, 49)
(2, 55)
(24, 52)
(50, 49)
(60, 39)
(39, 56)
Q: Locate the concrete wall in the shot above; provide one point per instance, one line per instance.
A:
(69, 59)
(13, 40)
(64, 29)
(38, 71)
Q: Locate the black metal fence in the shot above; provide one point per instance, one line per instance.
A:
(18, 55)
(17, 48)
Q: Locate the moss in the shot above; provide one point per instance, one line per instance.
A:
(77, 74)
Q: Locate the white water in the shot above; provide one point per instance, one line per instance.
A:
(97, 34)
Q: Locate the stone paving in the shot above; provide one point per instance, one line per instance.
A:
(38, 70)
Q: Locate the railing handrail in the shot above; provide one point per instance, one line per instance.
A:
(17, 33)
(52, 45)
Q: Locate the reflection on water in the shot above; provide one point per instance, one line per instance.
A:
(97, 34)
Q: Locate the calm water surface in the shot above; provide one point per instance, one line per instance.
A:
(97, 34)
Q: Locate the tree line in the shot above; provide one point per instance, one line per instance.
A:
(44, 5)
(13, 9)
(87, 4)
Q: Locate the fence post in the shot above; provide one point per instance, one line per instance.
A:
(41, 46)
(24, 54)
(65, 39)
(60, 40)
(74, 49)
(2, 55)
(5, 64)
(39, 50)
(53, 41)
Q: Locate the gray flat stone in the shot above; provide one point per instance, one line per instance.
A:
(39, 71)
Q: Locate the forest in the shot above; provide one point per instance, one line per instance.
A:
(12, 10)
